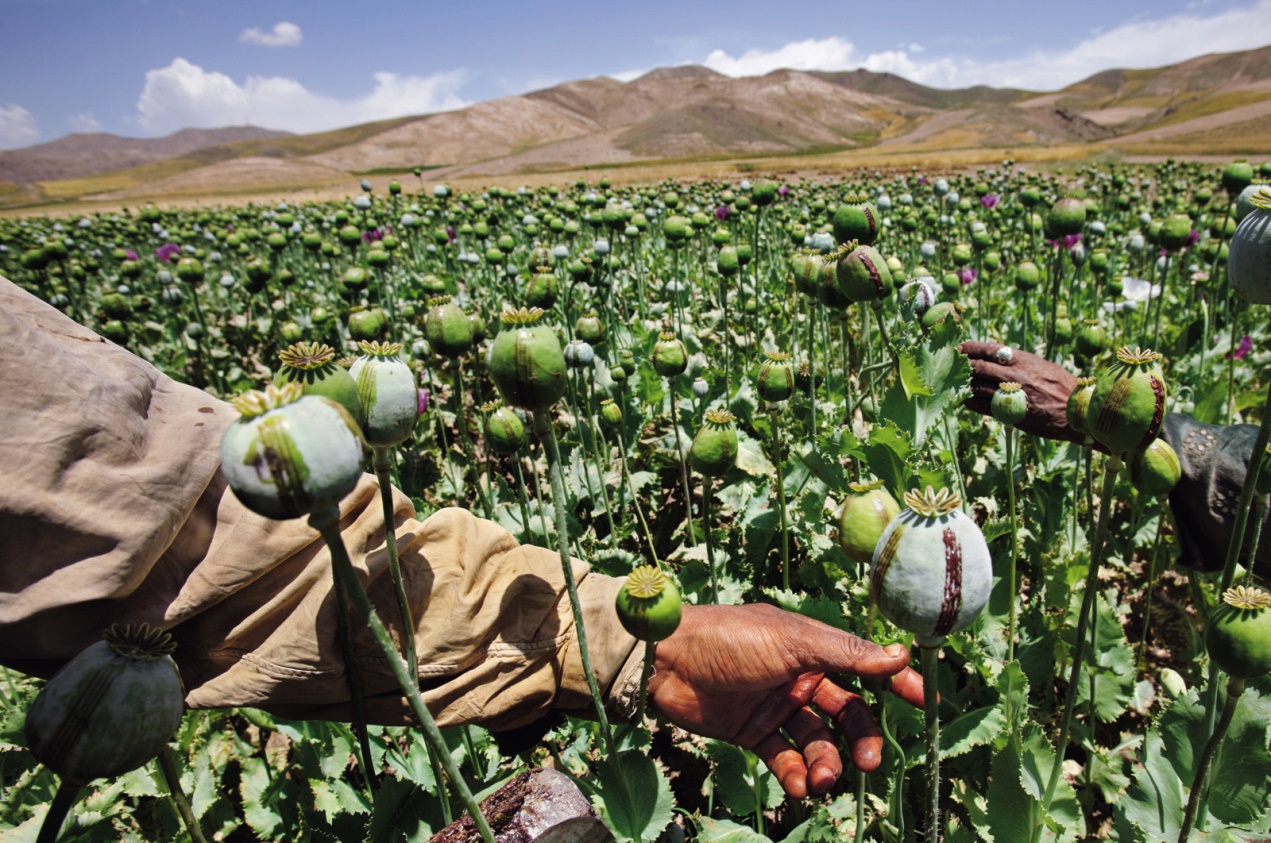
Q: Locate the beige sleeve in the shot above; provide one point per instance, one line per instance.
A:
(112, 509)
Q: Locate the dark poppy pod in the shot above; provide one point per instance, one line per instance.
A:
(1128, 403)
(504, 431)
(526, 361)
(932, 572)
(390, 399)
(856, 219)
(764, 192)
(776, 377)
(1249, 260)
(589, 328)
(313, 366)
(447, 328)
(713, 452)
(1079, 403)
(1067, 216)
(866, 513)
(1176, 230)
(1155, 470)
(1009, 404)
(670, 357)
(1238, 632)
(190, 270)
(290, 454)
(110, 709)
(649, 605)
(1236, 176)
(863, 275)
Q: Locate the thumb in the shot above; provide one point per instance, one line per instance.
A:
(845, 653)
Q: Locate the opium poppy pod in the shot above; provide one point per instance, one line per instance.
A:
(670, 357)
(1009, 404)
(1249, 259)
(863, 275)
(526, 361)
(649, 604)
(776, 377)
(1067, 216)
(312, 365)
(713, 452)
(504, 431)
(866, 513)
(856, 219)
(110, 709)
(932, 573)
(1238, 635)
(1128, 404)
(447, 328)
(1155, 470)
(1079, 404)
(390, 399)
(290, 454)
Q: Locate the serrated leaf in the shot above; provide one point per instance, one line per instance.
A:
(751, 458)
(257, 808)
(634, 797)
(817, 607)
(910, 377)
(727, 831)
(886, 453)
(972, 729)
(742, 780)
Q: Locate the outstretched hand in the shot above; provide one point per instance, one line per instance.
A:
(1046, 384)
(745, 674)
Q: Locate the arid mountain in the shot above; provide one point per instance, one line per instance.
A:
(76, 156)
(1219, 104)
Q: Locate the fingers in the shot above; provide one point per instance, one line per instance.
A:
(852, 716)
(908, 686)
(811, 765)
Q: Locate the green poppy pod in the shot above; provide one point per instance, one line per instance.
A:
(727, 261)
(504, 430)
(1027, 276)
(1238, 632)
(589, 328)
(542, 289)
(1155, 470)
(856, 219)
(931, 567)
(862, 275)
(610, 413)
(1009, 404)
(390, 399)
(1176, 230)
(806, 269)
(1079, 404)
(1092, 339)
(670, 357)
(1128, 404)
(110, 709)
(349, 235)
(713, 452)
(526, 361)
(1236, 176)
(866, 513)
(1067, 216)
(676, 230)
(447, 328)
(764, 192)
(190, 270)
(290, 454)
(941, 312)
(1063, 329)
(648, 604)
(312, 365)
(366, 325)
(776, 377)
(1249, 260)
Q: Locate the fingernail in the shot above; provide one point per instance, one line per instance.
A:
(895, 650)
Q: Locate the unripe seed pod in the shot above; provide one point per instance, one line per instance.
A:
(447, 328)
(1237, 176)
(504, 430)
(1079, 403)
(579, 354)
(1009, 404)
(312, 365)
(110, 709)
(649, 604)
(776, 377)
(1238, 635)
(670, 357)
(932, 572)
(589, 328)
(366, 325)
(1027, 276)
(1092, 339)
(526, 361)
(542, 289)
(863, 275)
(1128, 404)
(1155, 470)
(764, 192)
(610, 413)
(1249, 260)
(856, 219)
(727, 261)
(1176, 229)
(866, 513)
(701, 388)
(1067, 216)
(713, 452)
(190, 270)
(390, 399)
(290, 454)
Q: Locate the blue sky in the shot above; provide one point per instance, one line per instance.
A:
(150, 67)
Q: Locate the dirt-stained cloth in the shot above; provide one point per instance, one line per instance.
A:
(112, 509)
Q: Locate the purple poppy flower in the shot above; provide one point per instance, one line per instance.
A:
(1246, 345)
(922, 180)
(372, 235)
(129, 254)
(167, 252)
(990, 200)
(723, 212)
(966, 274)
(783, 191)
(423, 400)
(1193, 238)
(450, 233)
(1068, 241)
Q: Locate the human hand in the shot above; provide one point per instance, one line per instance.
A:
(1046, 384)
(743, 673)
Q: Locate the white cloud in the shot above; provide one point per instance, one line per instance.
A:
(17, 127)
(1140, 43)
(84, 123)
(184, 95)
(284, 34)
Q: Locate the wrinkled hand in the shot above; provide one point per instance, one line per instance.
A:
(744, 673)
(1046, 384)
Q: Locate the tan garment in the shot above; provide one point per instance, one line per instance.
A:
(112, 509)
